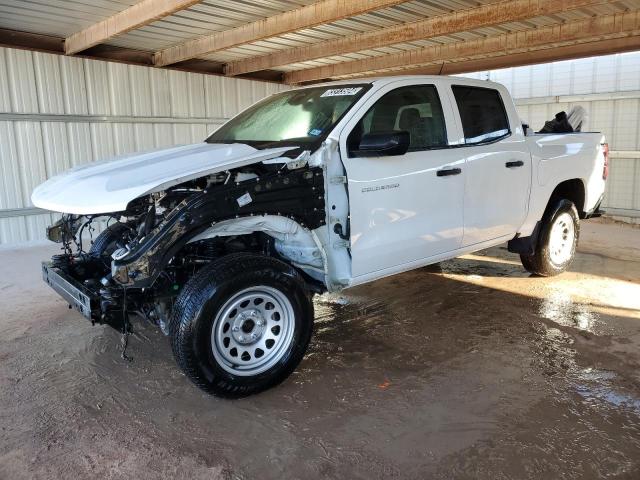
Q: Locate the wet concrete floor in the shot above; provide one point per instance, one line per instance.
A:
(466, 369)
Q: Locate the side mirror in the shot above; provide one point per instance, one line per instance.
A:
(383, 144)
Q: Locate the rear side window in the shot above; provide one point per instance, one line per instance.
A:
(483, 115)
(415, 109)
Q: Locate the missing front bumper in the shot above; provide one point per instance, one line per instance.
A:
(78, 297)
(96, 307)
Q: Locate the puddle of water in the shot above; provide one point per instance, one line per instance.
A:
(559, 307)
(596, 385)
(598, 388)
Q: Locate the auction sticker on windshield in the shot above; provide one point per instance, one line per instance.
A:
(338, 92)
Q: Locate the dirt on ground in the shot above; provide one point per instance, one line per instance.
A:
(468, 369)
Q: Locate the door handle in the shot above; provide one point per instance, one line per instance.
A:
(514, 164)
(448, 171)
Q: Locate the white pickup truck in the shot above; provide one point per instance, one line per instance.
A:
(223, 244)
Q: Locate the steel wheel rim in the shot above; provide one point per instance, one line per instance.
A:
(252, 331)
(561, 239)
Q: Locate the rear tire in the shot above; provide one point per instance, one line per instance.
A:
(557, 242)
(242, 324)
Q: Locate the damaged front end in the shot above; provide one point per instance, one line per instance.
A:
(145, 254)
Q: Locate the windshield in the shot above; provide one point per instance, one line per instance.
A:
(305, 115)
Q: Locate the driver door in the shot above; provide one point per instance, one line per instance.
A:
(403, 208)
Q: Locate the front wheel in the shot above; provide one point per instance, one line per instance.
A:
(557, 241)
(242, 324)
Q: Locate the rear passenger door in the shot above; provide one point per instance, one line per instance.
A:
(401, 209)
(498, 165)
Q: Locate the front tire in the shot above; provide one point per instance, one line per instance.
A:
(242, 324)
(557, 242)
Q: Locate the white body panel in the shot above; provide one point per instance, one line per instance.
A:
(557, 158)
(392, 200)
(108, 186)
(400, 210)
(500, 213)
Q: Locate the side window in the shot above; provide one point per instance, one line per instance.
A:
(482, 113)
(415, 109)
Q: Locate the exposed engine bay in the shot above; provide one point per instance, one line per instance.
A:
(146, 253)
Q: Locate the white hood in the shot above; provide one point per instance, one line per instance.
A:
(108, 186)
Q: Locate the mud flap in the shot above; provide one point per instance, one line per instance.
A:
(525, 245)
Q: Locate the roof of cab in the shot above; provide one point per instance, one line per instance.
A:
(380, 81)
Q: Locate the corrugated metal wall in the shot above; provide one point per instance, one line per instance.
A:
(57, 112)
(609, 89)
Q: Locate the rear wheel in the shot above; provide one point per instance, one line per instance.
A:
(242, 324)
(557, 241)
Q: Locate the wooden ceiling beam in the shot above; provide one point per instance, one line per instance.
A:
(110, 53)
(544, 55)
(455, 22)
(136, 16)
(588, 30)
(324, 11)
(31, 41)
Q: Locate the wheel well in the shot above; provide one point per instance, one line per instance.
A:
(277, 236)
(572, 190)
